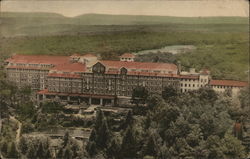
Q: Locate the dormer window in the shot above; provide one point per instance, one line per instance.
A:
(124, 71)
(127, 57)
(98, 68)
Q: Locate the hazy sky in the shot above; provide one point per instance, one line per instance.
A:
(186, 8)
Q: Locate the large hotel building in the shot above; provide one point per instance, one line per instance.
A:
(79, 78)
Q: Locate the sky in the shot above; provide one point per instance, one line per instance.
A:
(182, 8)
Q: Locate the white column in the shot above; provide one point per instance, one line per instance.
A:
(101, 101)
(90, 100)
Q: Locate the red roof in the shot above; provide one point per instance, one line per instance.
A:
(228, 83)
(28, 67)
(139, 65)
(127, 55)
(70, 67)
(39, 59)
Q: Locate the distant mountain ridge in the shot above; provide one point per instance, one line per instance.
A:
(33, 23)
(30, 14)
(127, 18)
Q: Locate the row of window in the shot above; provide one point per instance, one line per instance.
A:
(203, 80)
(189, 85)
(189, 80)
(29, 70)
(223, 87)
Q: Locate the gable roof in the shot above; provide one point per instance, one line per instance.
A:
(39, 59)
(70, 67)
(139, 65)
(127, 55)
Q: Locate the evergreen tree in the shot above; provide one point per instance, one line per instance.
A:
(65, 139)
(103, 136)
(128, 121)
(92, 136)
(91, 148)
(129, 145)
(99, 120)
(114, 149)
(100, 136)
(12, 152)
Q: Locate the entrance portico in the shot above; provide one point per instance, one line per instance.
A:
(102, 100)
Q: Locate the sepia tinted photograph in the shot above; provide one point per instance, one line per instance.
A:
(124, 79)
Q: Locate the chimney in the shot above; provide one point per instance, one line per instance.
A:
(179, 67)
